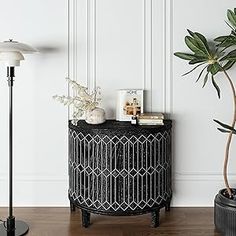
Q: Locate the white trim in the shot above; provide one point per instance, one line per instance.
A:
(147, 53)
(91, 44)
(202, 176)
(168, 64)
(34, 178)
(88, 43)
(164, 11)
(68, 51)
(177, 176)
(72, 45)
(42, 191)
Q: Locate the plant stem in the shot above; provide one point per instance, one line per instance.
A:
(226, 159)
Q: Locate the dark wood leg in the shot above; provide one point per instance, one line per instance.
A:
(167, 206)
(85, 218)
(155, 218)
(72, 207)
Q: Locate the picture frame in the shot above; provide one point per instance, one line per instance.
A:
(129, 103)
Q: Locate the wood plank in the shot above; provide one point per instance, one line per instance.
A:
(60, 222)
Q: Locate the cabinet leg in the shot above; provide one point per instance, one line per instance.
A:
(85, 218)
(167, 206)
(72, 207)
(155, 218)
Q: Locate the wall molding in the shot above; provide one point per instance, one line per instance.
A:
(201, 176)
(91, 44)
(35, 178)
(91, 48)
(147, 53)
(164, 55)
(177, 176)
(72, 46)
(168, 55)
(41, 191)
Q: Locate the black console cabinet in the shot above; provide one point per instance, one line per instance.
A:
(119, 169)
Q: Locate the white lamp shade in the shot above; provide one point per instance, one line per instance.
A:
(13, 46)
(11, 52)
(11, 58)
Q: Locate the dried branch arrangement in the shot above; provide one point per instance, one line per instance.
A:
(81, 100)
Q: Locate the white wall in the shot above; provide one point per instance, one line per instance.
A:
(129, 44)
(40, 124)
(115, 44)
(199, 147)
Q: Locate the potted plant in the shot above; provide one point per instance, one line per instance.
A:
(218, 57)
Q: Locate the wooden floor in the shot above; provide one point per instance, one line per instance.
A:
(60, 222)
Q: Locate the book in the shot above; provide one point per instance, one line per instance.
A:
(129, 103)
(151, 115)
(150, 122)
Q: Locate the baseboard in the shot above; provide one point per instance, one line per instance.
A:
(197, 189)
(36, 191)
(189, 190)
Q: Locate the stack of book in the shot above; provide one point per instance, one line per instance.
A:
(154, 118)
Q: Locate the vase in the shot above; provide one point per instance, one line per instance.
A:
(95, 116)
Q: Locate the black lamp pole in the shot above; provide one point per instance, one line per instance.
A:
(11, 227)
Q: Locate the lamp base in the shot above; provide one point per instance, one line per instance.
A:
(21, 228)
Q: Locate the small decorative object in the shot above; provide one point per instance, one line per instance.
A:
(218, 57)
(95, 116)
(134, 120)
(129, 103)
(84, 103)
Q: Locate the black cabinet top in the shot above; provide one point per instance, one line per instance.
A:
(119, 127)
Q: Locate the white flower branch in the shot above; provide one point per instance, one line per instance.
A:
(81, 101)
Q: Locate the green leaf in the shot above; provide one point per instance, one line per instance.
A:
(223, 130)
(190, 32)
(200, 36)
(214, 68)
(193, 46)
(201, 73)
(231, 17)
(192, 69)
(231, 56)
(225, 126)
(185, 56)
(226, 41)
(228, 65)
(205, 79)
(216, 86)
(233, 32)
(230, 26)
(197, 60)
(202, 42)
(221, 38)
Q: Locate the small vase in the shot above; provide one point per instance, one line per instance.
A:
(95, 116)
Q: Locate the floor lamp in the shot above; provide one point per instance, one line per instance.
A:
(11, 52)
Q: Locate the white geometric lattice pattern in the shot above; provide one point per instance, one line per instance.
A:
(119, 173)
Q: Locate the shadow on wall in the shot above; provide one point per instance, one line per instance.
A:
(49, 50)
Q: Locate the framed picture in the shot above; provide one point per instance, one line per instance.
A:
(129, 103)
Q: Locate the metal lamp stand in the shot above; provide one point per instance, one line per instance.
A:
(11, 227)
